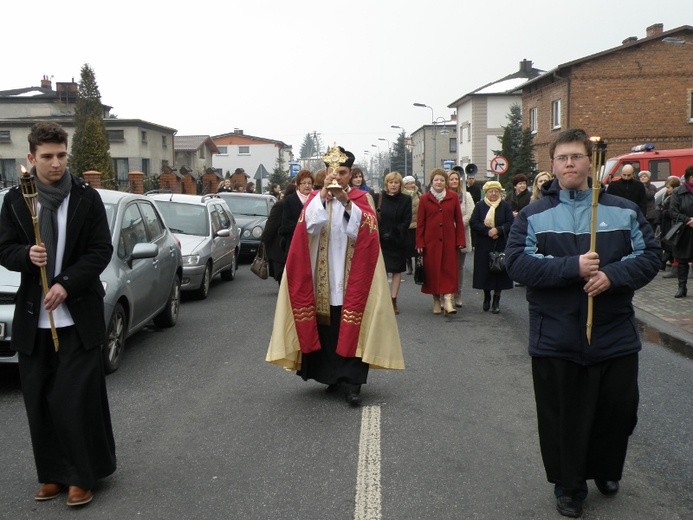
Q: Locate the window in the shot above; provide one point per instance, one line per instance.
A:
(144, 136)
(121, 168)
(533, 120)
(201, 152)
(244, 150)
(556, 114)
(660, 169)
(5, 136)
(690, 106)
(223, 150)
(145, 166)
(132, 231)
(453, 145)
(164, 142)
(8, 172)
(151, 220)
(115, 136)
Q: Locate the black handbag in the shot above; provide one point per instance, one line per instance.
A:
(259, 265)
(674, 234)
(419, 278)
(496, 261)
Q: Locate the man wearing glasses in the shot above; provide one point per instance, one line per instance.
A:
(629, 188)
(586, 392)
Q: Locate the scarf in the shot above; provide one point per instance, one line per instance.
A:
(50, 197)
(303, 198)
(440, 196)
(689, 186)
(490, 220)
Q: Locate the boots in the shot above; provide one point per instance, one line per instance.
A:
(495, 306)
(436, 304)
(448, 306)
(487, 300)
(683, 279)
(394, 305)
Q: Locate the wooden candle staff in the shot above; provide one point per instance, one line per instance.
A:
(598, 155)
(28, 184)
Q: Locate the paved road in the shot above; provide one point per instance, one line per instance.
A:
(206, 429)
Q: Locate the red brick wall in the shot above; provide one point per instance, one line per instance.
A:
(136, 182)
(93, 178)
(168, 181)
(188, 185)
(637, 94)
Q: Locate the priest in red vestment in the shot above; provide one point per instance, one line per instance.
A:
(334, 317)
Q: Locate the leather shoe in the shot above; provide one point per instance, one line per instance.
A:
(353, 399)
(331, 389)
(76, 496)
(569, 506)
(48, 491)
(607, 487)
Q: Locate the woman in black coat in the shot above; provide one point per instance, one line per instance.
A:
(293, 206)
(490, 236)
(394, 216)
(681, 210)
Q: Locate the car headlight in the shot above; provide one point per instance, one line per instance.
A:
(191, 259)
(246, 233)
(257, 232)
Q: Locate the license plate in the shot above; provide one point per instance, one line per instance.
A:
(2, 330)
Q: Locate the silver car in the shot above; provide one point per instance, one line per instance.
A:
(209, 237)
(142, 280)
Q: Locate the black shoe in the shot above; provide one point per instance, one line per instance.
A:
(607, 487)
(487, 302)
(568, 506)
(495, 308)
(353, 398)
(682, 292)
(331, 389)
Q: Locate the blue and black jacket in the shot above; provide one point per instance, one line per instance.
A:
(542, 252)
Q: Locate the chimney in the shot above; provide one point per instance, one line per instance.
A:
(630, 39)
(238, 131)
(526, 66)
(46, 83)
(654, 30)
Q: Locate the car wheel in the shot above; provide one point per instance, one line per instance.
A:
(112, 351)
(169, 315)
(203, 291)
(230, 273)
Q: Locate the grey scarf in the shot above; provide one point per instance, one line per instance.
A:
(50, 197)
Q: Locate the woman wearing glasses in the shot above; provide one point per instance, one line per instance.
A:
(293, 205)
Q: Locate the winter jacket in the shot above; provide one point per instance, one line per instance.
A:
(542, 252)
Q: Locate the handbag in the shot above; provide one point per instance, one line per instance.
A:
(259, 264)
(674, 234)
(496, 261)
(419, 278)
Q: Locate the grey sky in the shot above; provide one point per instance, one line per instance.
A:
(277, 69)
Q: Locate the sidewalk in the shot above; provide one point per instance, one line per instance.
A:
(656, 307)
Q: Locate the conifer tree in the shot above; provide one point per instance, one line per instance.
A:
(90, 147)
(517, 148)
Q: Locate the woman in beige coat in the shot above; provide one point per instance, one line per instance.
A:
(457, 183)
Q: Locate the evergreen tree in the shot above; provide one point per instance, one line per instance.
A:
(90, 147)
(278, 176)
(312, 146)
(399, 164)
(517, 148)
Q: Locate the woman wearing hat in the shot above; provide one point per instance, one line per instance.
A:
(490, 223)
(652, 215)
(439, 233)
(519, 197)
(410, 189)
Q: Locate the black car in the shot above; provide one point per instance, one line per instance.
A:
(251, 211)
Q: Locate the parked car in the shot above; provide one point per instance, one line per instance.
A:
(251, 212)
(142, 280)
(209, 237)
(9, 284)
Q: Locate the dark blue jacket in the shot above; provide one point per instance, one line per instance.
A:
(542, 252)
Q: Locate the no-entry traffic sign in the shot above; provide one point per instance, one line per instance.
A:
(499, 165)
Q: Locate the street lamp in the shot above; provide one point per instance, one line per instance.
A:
(671, 40)
(389, 150)
(405, 147)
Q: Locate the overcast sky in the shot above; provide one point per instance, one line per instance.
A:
(280, 69)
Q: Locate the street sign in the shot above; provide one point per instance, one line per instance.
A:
(448, 164)
(294, 168)
(499, 165)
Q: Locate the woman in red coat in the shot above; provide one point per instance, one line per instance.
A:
(439, 234)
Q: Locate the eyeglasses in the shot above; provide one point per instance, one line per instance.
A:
(307, 183)
(574, 157)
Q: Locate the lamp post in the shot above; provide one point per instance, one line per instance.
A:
(405, 147)
(433, 122)
(389, 151)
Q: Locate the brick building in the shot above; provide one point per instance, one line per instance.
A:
(638, 92)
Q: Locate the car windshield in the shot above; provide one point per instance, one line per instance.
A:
(245, 205)
(186, 219)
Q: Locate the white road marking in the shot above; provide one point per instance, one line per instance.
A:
(367, 506)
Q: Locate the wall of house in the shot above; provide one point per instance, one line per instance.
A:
(265, 154)
(637, 94)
